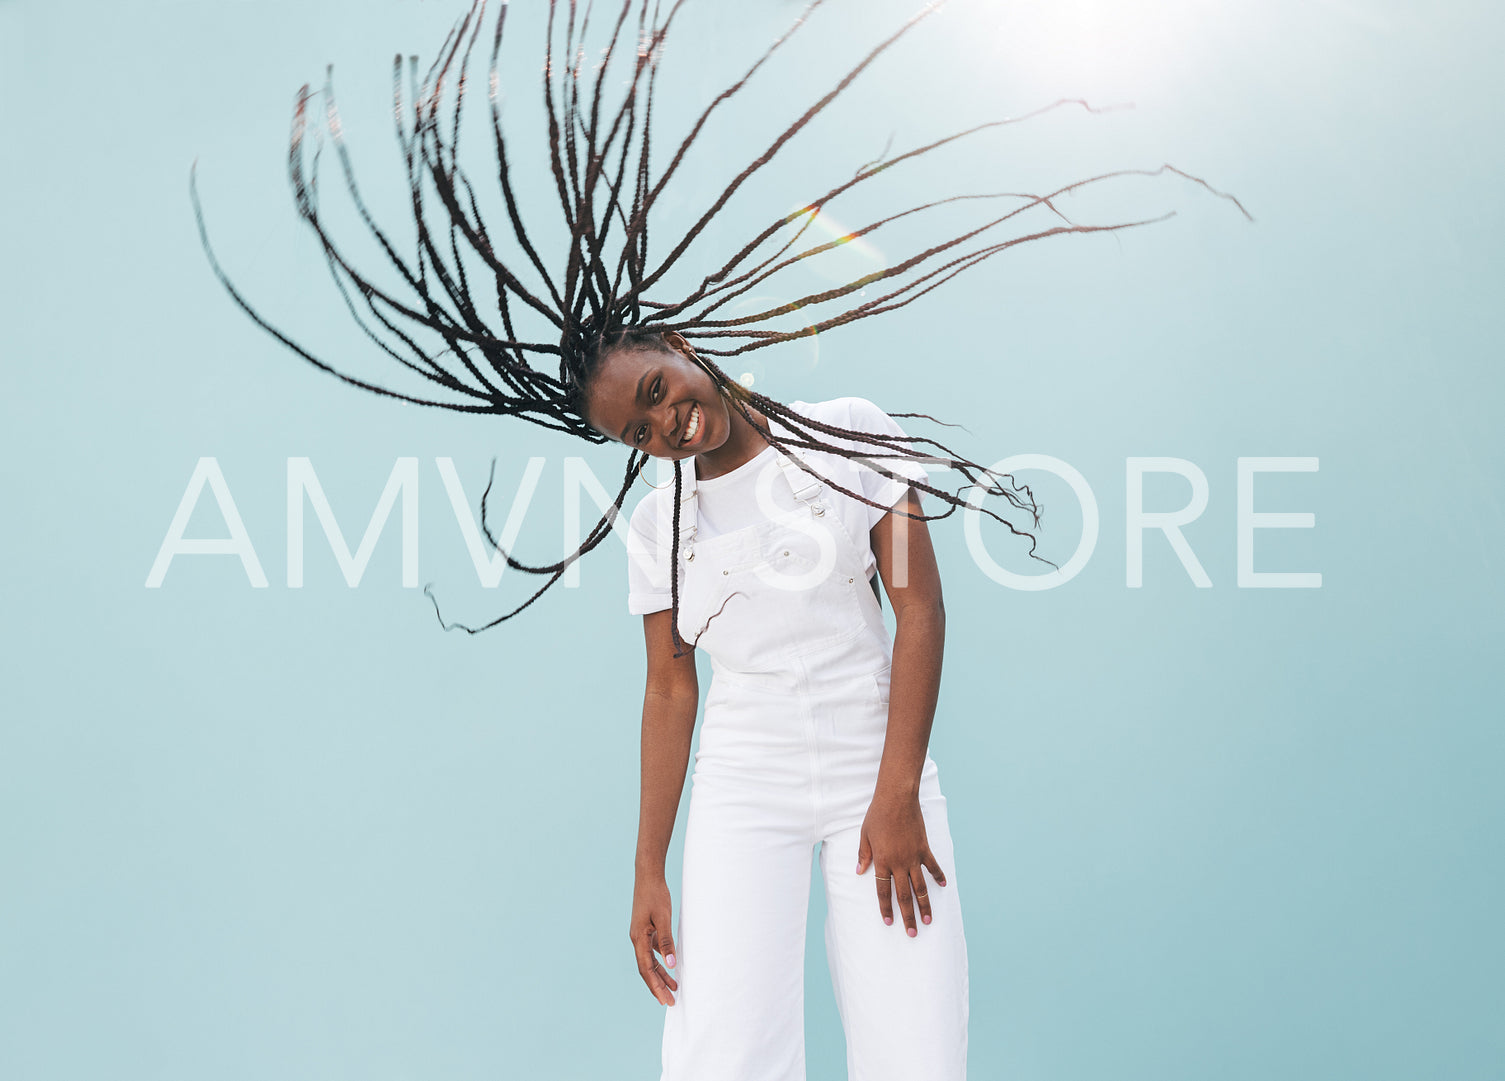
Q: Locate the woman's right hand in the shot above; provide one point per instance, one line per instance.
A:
(651, 922)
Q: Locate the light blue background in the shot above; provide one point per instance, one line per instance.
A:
(1214, 833)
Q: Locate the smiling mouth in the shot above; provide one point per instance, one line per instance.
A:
(692, 427)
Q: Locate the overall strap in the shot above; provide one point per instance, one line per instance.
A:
(687, 506)
(804, 484)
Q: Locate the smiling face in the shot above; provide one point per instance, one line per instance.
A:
(657, 399)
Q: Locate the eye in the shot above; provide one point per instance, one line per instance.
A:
(656, 389)
(641, 434)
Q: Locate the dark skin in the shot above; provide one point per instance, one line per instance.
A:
(645, 397)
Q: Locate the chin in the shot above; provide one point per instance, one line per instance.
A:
(677, 456)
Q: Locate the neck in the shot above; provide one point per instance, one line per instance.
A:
(744, 444)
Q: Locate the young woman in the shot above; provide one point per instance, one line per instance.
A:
(815, 733)
(765, 550)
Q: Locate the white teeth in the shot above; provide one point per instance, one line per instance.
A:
(692, 427)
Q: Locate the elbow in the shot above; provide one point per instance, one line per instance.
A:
(675, 693)
(929, 612)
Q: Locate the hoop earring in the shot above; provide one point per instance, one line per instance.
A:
(645, 480)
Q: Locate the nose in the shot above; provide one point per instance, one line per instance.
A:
(668, 422)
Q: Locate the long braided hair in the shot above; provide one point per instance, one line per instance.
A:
(455, 322)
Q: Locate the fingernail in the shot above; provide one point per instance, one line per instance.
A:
(911, 931)
(859, 868)
(669, 960)
(925, 918)
(888, 919)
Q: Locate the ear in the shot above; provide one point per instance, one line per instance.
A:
(675, 341)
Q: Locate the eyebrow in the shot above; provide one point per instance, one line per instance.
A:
(637, 396)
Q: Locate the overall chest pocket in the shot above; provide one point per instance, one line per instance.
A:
(702, 594)
(791, 598)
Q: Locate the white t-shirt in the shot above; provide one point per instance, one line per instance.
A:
(732, 500)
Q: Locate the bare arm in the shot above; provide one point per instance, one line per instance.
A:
(893, 834)
(919, 641)
(670, 699)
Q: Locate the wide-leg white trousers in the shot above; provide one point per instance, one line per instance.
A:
(774, 777)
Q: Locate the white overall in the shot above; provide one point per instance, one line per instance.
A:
(789, 750)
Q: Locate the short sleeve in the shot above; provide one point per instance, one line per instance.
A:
(647, 564)
(885, 491)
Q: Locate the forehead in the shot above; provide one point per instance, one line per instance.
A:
(611, 399)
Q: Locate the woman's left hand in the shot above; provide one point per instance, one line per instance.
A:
(893, 842)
